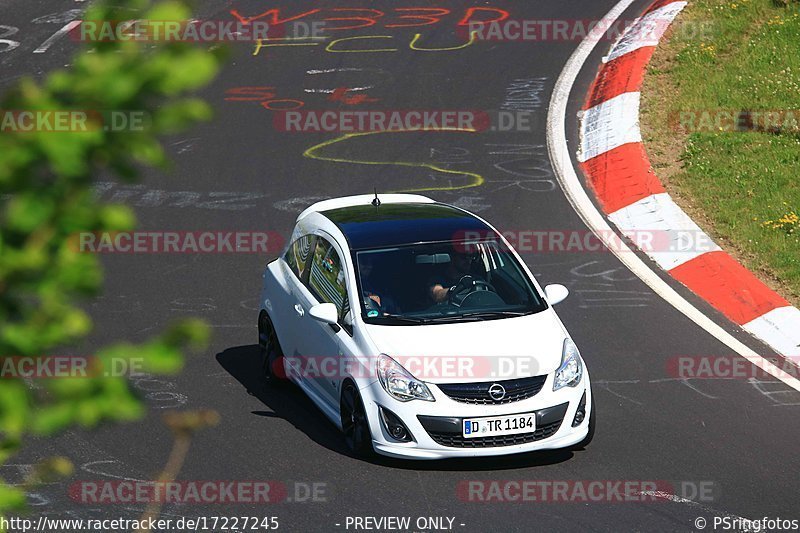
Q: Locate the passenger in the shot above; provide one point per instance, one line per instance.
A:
(374, 297)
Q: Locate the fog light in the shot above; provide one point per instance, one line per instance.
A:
(394, 426)
(580, 414)
(398, 432)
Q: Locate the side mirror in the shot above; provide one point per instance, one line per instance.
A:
(325, 313)
(555, 293)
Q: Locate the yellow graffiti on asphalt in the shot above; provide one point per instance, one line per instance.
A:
(331, 46)
(279, 41)
(415, 40)
(474, 179)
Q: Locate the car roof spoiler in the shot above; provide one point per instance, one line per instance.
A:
(364, 199)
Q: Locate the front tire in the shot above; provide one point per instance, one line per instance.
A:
(270, 350)
(355, 425)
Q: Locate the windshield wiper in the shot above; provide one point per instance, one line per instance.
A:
(474, 316)
(477, 316)
(398, 319)
(495, 314)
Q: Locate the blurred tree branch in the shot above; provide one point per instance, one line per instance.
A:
(46, 198)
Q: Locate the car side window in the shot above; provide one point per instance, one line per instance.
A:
(327, 278)
(297, 255)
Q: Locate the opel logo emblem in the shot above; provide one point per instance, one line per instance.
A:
(497, 392)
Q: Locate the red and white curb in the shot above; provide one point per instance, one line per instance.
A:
(617, 168)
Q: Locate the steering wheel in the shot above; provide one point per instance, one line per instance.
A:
(466, 286)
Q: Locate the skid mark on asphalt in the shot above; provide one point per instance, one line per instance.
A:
(186, 145)
(777, 392)
(525, 94)
(595, 286)
(471, 202)
(142, 196)
(472, 179)
(600, 296)
(88, 457)
(297, 204)
(606, 386)
(688, 383)
(526, 166)
(710, 510)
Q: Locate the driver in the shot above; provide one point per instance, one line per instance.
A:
(461, 261)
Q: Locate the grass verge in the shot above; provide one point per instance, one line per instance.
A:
(733, 167)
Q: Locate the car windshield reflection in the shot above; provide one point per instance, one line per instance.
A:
(443, 282)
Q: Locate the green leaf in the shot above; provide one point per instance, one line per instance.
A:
(11, 498)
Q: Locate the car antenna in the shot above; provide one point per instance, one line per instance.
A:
(376, 201)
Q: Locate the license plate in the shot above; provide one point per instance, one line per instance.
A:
(491, 426)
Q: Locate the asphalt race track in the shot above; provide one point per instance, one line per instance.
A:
(239, 173)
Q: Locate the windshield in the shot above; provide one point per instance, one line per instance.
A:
(443, 282)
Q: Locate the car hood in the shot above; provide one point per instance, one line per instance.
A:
(489, 350)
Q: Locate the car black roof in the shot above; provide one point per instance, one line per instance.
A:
(397, 224)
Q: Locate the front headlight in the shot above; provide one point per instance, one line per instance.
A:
(571, 370)
(399, 382)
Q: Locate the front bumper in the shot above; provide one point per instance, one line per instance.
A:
(436, 426)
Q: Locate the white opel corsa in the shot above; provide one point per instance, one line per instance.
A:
(417, 329)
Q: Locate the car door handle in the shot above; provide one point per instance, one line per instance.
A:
(299, 310)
